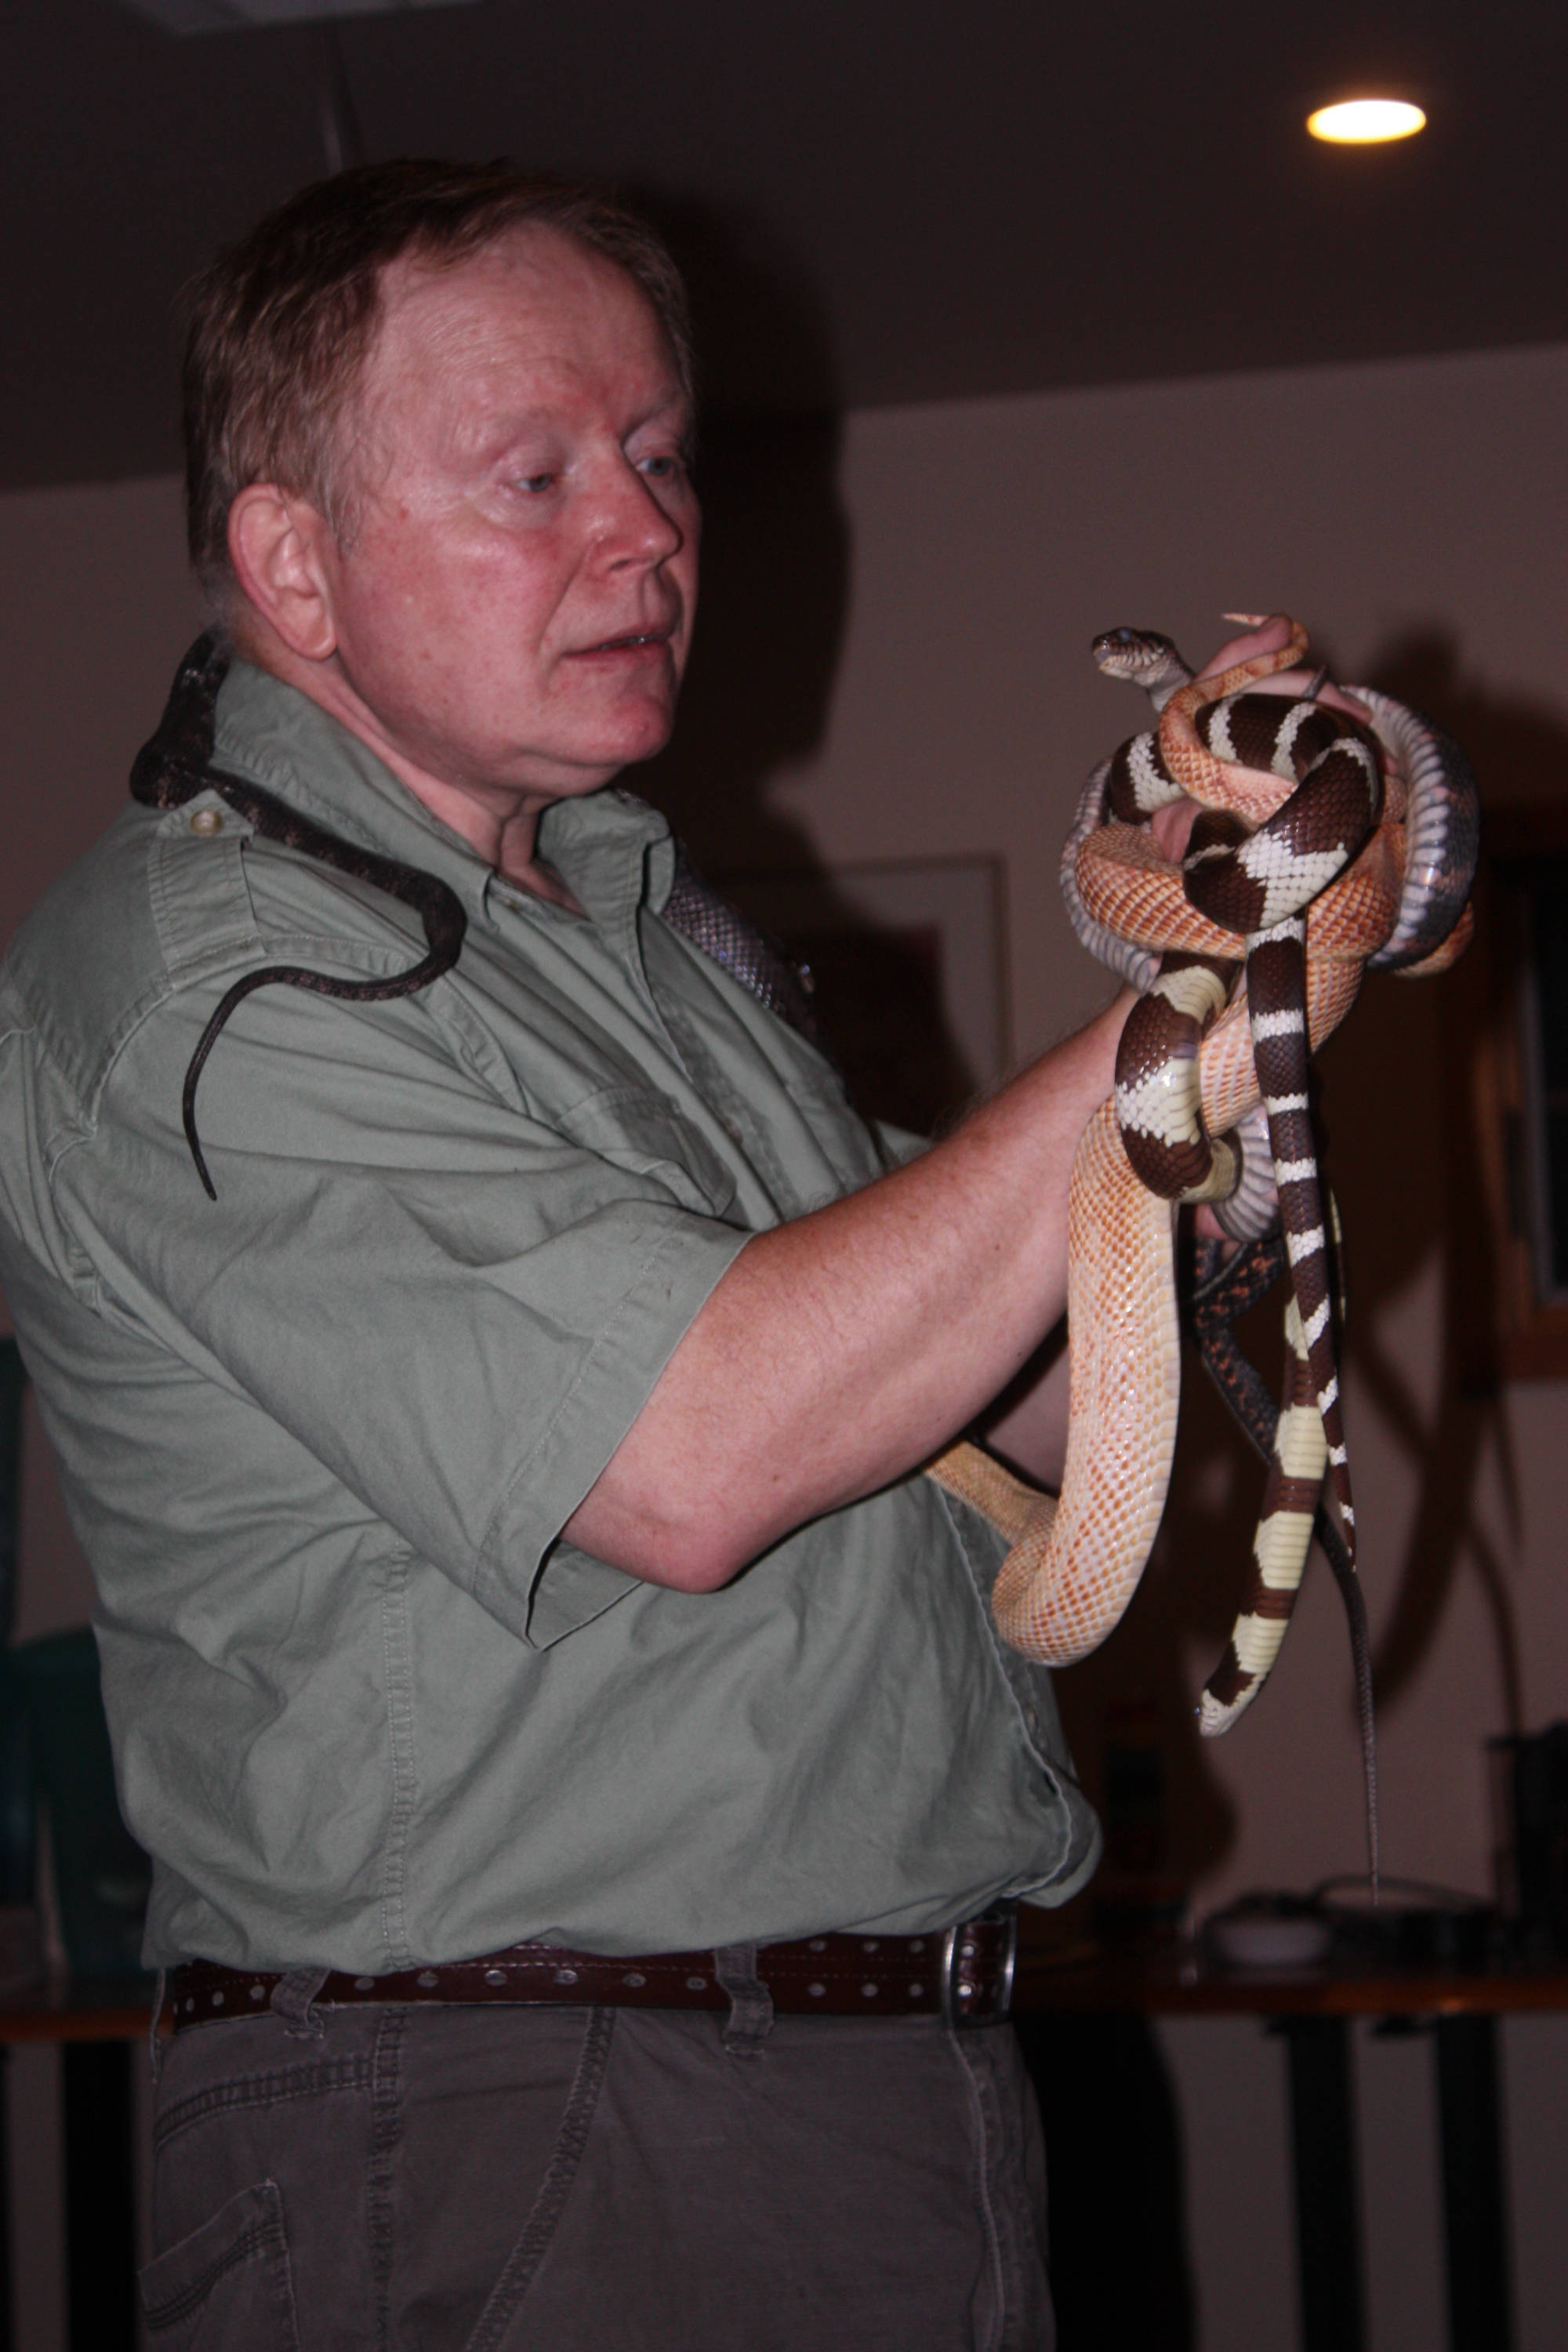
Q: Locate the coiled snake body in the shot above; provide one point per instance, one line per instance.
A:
(1324, 846)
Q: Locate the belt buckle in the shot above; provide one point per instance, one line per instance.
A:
(1004, 1915)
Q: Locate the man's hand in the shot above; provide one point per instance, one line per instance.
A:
(1172, 825)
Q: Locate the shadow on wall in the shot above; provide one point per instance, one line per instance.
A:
(1521, 758)
(775, 572)
(1402, 1147)
(775, 593)
(775, 557)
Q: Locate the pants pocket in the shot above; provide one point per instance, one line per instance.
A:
(228, 2287)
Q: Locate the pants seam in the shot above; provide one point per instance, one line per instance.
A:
(983, 2189)
(533, 2241)
(267, 2237)
(261, 2236)
(265, 2090)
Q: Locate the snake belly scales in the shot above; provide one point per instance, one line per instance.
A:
(1323, 847)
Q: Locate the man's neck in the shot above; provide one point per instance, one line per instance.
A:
(504, 832)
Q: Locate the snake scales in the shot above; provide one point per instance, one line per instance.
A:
(1325, 846)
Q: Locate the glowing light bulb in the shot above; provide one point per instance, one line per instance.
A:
(1362, 122)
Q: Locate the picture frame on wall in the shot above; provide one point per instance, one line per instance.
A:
(906, 964)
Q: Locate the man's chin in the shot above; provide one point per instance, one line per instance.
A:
(591, 767)
(640, 735)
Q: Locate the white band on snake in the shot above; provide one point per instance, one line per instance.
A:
(1324, 847)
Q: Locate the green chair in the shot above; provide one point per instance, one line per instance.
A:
(101, 1875)
(18, 1843)
(54, 1751)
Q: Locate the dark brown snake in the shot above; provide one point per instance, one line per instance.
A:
(175, 766)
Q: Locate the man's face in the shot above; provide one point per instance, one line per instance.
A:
(513, 605)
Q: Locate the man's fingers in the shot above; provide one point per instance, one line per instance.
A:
(1171, 825)
(1265, 639)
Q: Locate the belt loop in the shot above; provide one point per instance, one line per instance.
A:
(751, 2018)
(294, 2000)
(155, 2047)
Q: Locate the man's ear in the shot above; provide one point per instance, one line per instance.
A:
(278, 544)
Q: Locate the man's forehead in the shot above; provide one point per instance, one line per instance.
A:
(467, 356)
(533, 296)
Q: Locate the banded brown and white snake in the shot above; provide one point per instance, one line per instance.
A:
(1324, 847)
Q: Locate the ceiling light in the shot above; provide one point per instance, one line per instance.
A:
(221, 16)
(1364, 122)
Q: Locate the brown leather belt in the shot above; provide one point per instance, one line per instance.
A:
(964, 1976)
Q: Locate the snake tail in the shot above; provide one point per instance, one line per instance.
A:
(1297, 1453)
(1222, 1290)
(1332, 1544)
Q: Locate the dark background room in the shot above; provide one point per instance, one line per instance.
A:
(1015, 322)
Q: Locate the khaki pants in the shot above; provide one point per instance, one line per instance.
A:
(493, 2179)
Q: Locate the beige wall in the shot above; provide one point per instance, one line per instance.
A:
(898, 666)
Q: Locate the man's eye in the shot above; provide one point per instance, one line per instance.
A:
(663, 469)
(535, 481)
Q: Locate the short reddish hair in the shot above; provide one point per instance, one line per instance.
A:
(282, 324)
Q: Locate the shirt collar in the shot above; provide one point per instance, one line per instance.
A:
(612, 849)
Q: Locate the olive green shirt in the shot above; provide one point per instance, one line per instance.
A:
(320, 1438)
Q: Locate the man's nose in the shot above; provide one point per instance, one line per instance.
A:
(634, 526)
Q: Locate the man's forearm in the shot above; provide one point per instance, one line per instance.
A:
(841, 1350)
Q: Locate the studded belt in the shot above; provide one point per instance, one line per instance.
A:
(964, 1976)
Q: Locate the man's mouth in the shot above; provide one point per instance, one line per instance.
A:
(633, 640)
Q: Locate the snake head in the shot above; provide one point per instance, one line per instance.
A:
(1143, 657)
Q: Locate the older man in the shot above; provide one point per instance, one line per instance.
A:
(490, 1365)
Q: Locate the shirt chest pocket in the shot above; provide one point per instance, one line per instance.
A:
(638, 1129)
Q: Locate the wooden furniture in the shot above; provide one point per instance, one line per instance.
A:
(1313, 2009)
(101, 2027)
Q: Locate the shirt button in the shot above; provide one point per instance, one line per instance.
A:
(207, 819)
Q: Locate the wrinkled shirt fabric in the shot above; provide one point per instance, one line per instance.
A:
(318, 1439)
